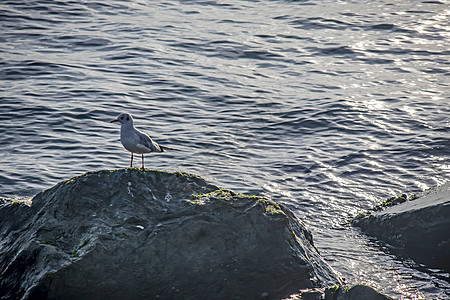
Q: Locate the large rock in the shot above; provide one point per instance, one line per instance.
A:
(131, 234)
(419, 229)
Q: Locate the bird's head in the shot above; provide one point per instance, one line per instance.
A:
(123, 118)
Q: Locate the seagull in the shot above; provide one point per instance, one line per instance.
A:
(134, 140)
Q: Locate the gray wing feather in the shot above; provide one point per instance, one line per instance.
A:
(147, 141)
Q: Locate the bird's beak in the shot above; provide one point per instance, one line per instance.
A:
(114, 121)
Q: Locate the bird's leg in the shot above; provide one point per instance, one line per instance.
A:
(142, 168)
(131, 163)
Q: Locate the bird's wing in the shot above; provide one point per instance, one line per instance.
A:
(147, 142)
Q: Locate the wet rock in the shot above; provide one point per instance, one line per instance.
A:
(357, 292)
(129, 234)
(419, 229)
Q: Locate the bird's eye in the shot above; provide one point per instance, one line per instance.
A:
(128, 118)
(121, 118)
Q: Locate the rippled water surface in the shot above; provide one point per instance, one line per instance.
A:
(325, 106)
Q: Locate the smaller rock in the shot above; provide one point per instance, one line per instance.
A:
(357, 292)
(418, 229)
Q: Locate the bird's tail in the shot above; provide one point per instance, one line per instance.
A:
(164, 148)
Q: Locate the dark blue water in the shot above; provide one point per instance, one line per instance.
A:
(326, 106)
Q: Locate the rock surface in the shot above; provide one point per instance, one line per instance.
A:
(357, 292)
(419, 229)
(129, 234)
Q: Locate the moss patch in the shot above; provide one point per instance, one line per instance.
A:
(272, 210)
(270, 207)
(223, 194)
(75, 252)
(394, 201)
(50, 243)
(383, 205)
(220, 194)
(17, 200)
(334, 289)
(121, 234)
